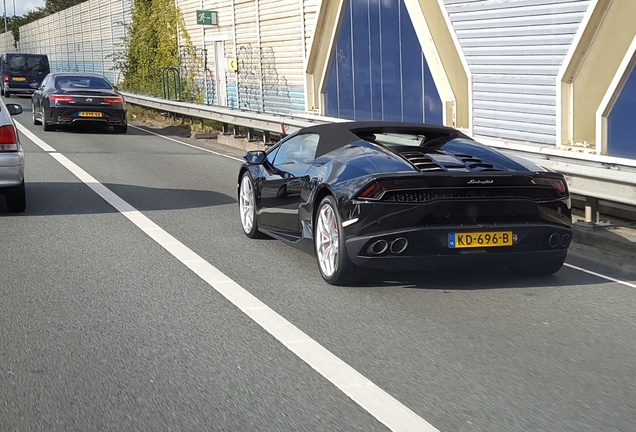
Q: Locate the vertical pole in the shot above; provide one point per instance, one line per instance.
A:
(5, 15)
(591, 210)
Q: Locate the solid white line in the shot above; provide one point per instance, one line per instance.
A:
(186, 144)
(30, 135)
(384, 407)
(602, 276)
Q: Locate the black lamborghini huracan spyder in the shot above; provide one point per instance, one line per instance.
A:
(399, 196)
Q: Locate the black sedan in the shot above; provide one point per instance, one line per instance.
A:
(397, 196)
(72, 98)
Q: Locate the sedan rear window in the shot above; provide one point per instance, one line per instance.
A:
(81, 82)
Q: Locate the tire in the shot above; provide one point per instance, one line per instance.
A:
(120, 129)
(329, 244)
(247, 207)
(16, 198)
(544, 267)
(7, 94)
(35, 120)
(47, 127)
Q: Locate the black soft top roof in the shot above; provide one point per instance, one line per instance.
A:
(336, 135)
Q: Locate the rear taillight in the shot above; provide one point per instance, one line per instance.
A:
(6, 78)
(114, 100)
(56, 99)
(369, 191)
(8, 139)
(558, 185)
(377, 189)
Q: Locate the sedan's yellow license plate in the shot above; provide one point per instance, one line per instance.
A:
(18, 78)
(89, 114)
(479, 239)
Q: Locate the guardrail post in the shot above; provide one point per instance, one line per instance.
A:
(250, 134)
(266, 138)
(225, 129)
(592, 219)
(591, 210)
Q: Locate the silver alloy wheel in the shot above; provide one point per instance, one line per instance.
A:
(246, 204)
(327, 240)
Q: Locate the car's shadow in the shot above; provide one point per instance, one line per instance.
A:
(133, 130)
(462, 279)
(46, 199)
(94, 129)
(449, 279)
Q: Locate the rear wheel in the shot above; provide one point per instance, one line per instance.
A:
(45, 126)
(120, 129)
(7, 94)
(33, 117)
(329, 240)
(16, 198)
(247, 207)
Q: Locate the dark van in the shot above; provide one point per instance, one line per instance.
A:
(22, 73)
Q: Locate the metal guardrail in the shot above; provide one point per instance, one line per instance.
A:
(266, 122)
(595, 177)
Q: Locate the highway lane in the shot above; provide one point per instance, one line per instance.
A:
(148, 345)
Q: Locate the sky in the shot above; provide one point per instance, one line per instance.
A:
(21, 6)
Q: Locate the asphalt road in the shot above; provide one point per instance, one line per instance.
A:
(130, 300)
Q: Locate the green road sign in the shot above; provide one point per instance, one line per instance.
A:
(205, 17)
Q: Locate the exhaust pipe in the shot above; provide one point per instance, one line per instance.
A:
(378, 247)
(565, 240)
(555, 239)
(399, 245)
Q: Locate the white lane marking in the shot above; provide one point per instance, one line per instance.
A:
(381, 405)
(602, 276)
(186, 144)
(30, 135)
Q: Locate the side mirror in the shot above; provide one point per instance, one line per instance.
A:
(255, 157)
(14, 109)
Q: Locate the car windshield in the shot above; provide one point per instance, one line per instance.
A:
(23, 64)
(80, 82)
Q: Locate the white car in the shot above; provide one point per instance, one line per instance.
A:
(11, 160)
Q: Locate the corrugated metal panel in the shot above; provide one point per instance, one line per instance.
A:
(514, 49)
(85, 38)
(249, 82)
(281, 54)
(118, 21)
(310, 11)
(6, 42)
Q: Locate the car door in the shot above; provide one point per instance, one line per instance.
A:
(283, 179)
(38, 95)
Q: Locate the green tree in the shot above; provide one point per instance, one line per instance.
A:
(153, 44)
(14, 23)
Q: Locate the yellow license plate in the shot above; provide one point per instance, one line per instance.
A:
(89, 114)
(479, 239)
(18, 78)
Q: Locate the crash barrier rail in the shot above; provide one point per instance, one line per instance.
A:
(596, 178)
